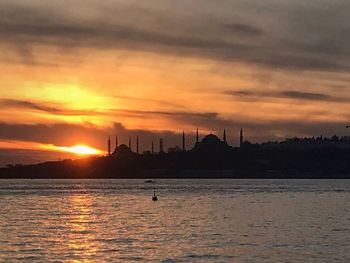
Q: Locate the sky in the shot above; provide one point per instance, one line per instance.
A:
(76, 72)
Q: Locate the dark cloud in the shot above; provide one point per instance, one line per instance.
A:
(197, 36)
(26, 104)
(243, 29)
(48, 28)
(58, 134)
(180, 114)
(287, 94)
(240, 93)
(307, 95)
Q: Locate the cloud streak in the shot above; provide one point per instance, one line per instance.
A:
(286, 94)
(56, 110)
(44, 107)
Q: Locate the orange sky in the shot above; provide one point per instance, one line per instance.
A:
(88, 73)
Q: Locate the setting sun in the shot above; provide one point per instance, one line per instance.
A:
(81, 150)
(75, 149)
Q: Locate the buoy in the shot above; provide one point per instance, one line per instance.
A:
(154, 197)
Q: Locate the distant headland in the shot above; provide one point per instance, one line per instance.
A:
(210, 157)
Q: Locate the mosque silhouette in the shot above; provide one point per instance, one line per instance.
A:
(210, 143)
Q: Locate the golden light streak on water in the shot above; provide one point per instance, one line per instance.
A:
(81, 239)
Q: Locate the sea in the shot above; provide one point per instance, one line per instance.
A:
(202, 220)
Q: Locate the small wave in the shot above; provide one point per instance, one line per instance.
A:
(169, 260)
(208, 256)
(248, 244)
(116, 240)
(340, 229)
(131, 258)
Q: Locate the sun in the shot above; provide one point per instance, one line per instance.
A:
(82, 150)
(79, 149)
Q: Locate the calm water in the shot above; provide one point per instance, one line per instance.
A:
(193, 221)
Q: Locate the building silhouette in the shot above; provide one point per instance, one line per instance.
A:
(109, 145)
(183, 142)
(161, 145)
(241, 138)
(137, 144)
(211, 144)
(123, 151)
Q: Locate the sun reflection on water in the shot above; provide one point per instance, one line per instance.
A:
(82, 232)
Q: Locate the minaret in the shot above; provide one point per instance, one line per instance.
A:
(152, 148)
(129, 143)
(137, 144)
(161, 145)
(109, 145)
(241, 138)
(183, 142)
(224, 137)
(197, 136)
(116, 142)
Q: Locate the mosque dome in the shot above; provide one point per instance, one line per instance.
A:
(122, 150)
(212, 144)
(211, 138)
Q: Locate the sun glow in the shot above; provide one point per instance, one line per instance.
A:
(75, 149)
(81, 150)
